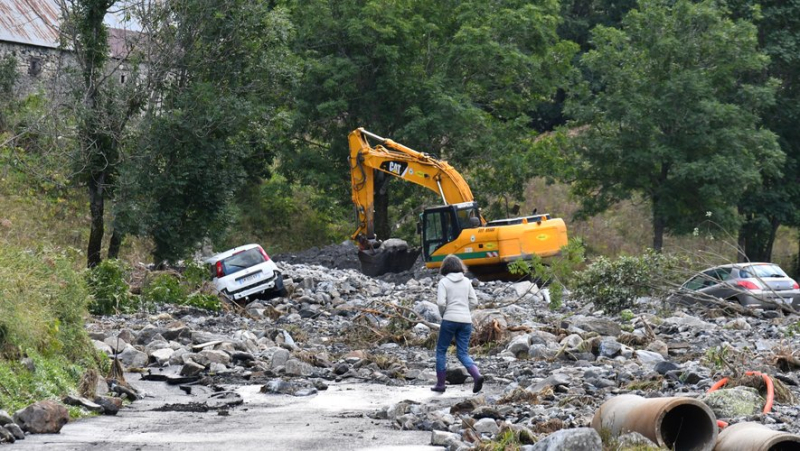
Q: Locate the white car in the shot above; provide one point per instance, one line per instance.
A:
(246, 272)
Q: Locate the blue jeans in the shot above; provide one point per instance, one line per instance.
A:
(451, 329)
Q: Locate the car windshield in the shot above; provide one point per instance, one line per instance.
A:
(242, 260)
(756, 271)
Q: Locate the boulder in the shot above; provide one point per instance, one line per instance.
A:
(43, 417)
(602, 326)
(486, 426)
(6, 436)
(734, 402)
(443, 438)
(132, 358)
(191, 368)
(5, 418)
(161, 356)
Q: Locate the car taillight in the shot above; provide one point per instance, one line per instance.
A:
(747, 285)
(261, 249)
(220, 272)
(795, 286)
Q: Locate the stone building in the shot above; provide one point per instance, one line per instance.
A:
(29, 32)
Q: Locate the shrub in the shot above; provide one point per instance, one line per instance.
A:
(614, 285)
(556, 273)
(164, 288)
(108, 287)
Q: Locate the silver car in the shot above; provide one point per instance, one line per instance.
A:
(762, 285)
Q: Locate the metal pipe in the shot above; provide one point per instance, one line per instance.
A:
(756, 437)
(681, 424)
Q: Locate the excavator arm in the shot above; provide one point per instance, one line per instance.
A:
(402, 162)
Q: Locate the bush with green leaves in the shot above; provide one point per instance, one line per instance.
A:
(556, 273)
(614, 285)
(170, 288)
(164, 288)
(109, 288)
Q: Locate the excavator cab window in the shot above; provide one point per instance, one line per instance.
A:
(439, 227)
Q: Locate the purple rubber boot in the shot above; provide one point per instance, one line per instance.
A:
(477, 379)
(440, 377)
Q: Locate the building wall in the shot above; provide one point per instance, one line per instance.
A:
(38, 68)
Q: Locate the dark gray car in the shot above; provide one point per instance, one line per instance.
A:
(763, 285)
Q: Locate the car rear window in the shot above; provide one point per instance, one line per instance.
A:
(242, 260)
(755, 271)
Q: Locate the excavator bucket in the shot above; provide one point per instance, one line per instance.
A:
(393, 256)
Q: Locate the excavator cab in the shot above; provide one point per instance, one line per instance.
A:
(442, 225)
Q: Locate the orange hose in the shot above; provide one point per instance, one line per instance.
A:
(767, 380)
(720, 383)
(770, 389)
(721, 424)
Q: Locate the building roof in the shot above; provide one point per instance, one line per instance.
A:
(35, 22)
(32, 22)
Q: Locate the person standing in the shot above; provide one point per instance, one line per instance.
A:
(455, 299)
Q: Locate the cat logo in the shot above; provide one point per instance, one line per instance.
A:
(397, 168)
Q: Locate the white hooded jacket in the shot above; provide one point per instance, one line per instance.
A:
(456, 298)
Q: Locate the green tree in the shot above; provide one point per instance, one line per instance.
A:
(228, 72)
(667, 115)
(455, 79)
(777, 200)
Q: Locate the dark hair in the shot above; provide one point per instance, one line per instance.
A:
(451, 264)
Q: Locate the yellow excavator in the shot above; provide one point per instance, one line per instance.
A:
(457, 227)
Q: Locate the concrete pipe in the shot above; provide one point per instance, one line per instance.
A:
(756, 437)
(680, 424)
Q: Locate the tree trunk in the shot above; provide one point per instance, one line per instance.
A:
(658, 232)
(96, 206)
(115, 244)
(741, 245)
(382, 228)
(770, 242)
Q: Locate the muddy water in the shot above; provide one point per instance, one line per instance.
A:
(331, 420)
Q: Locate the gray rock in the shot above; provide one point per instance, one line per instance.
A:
(191, 368)
(635, 440)
(5, 418)
(102, 347)
(44, 417)
(161, 356)
(519, 345)
(6, 436)
(486, 426)
(428, 311)
(665, 367)
(609, 347)
(110, 404)
(15, 430)
(551, 381)
(71, 400)
(117, 345)
(219, 357)
(603, 326)
(132, 358)
(279, 358)
(578, 439)
(734, 402)
(148, 334)
(443, 438)
(295, 367)
(648, 357)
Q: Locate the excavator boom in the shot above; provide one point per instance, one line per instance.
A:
(402, 162)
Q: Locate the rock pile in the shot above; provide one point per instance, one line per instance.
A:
(547, 371)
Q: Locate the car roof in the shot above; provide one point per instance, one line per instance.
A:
(223, 255)
(742, 265)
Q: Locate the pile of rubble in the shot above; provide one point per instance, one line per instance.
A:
(548, 372)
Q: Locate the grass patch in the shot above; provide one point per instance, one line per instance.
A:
(43, 302)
